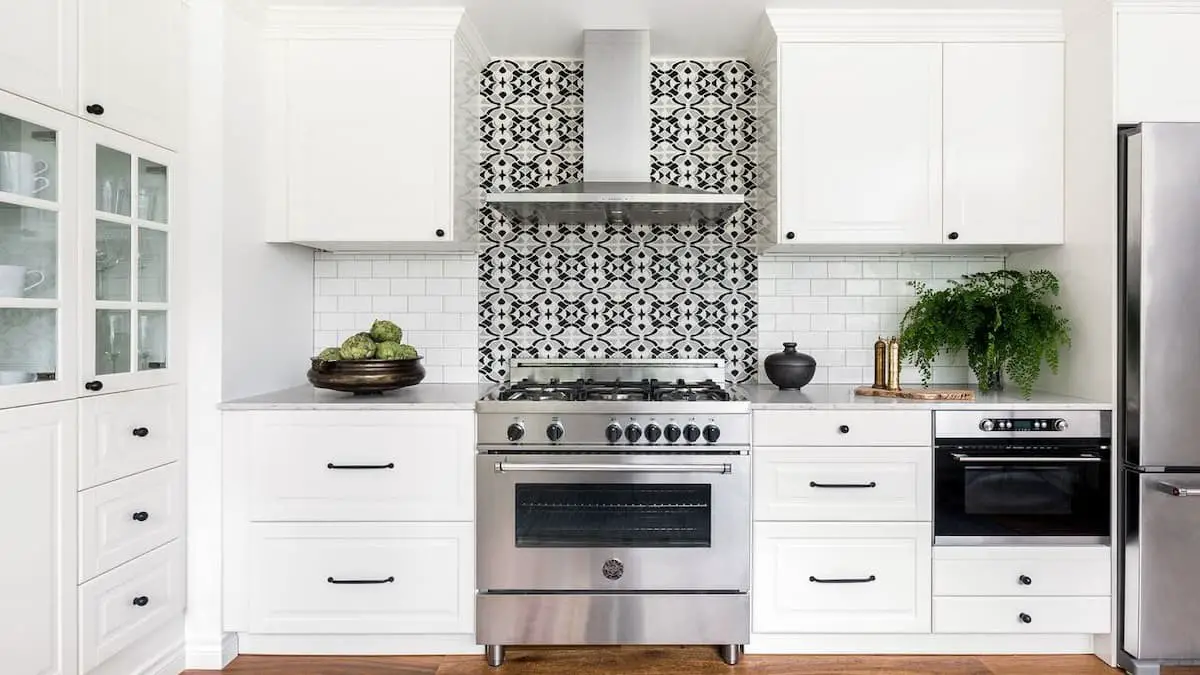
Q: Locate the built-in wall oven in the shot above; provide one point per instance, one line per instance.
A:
(1022, 477)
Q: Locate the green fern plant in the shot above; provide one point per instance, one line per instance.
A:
(1002, 319)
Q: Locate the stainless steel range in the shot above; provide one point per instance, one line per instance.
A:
(613, 506)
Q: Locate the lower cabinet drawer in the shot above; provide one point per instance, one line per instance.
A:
(1022, 615)
(361, 578)
(121, 607)
(841, 578)
(121, 520)
(1022, 570)
(128, 432)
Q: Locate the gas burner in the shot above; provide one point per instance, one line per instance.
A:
(694, 391)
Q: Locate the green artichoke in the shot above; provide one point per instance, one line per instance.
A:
(330, 354)
(406, 352)
(389, 350)
(358, 346)
(385, 331)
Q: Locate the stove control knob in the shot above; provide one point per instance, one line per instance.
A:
(516, 431)
(633, 433)
(672, 433)
(711, 433)
(987, 425)
(613, 432)
(1060, 425)
(554, 432)
(653, 433)
(691, 432)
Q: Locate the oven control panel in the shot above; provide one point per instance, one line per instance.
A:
(621, 430)
(1008, 424)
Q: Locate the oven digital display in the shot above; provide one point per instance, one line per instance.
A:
(1022, 425)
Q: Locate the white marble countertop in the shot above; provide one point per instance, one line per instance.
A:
(427, 395)
(841, 397)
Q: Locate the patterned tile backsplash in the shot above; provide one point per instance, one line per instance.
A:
(559, 290)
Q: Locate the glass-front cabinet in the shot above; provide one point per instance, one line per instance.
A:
(128, 323)
(38, 253)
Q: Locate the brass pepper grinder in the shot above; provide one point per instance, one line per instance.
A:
(881, 363)
(893, 375)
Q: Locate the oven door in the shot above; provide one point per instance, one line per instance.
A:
(986, 494)
(613, 522)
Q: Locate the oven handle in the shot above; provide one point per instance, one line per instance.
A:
(505, 467)
(967, 459)
(1177, 490)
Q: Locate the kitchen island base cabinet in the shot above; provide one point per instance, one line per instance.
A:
(1022, 615)
(841, 578)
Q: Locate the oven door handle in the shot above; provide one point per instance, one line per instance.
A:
(967, 459)
(506, 467)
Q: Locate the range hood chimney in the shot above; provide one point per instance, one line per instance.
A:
(616, 185)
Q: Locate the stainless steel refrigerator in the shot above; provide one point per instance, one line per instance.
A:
(1159, 502)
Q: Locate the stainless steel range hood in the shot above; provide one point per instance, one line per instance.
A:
(616, 185)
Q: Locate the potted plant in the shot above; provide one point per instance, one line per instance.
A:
(1001, 318)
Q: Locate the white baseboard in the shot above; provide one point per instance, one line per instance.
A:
(212, 655)
(357, 645)
(172, 663)
(918, 643)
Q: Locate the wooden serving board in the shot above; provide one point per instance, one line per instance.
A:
(919, 394)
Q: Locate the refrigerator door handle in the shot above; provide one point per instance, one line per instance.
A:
(1177, 490)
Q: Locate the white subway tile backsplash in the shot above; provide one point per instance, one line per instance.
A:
(425, 303)
(389, 268)
(462, 304)
(325, 303)
(408, 286)
(389, 304)
(430, 269)
(443, 286)
(350, 269)
(372, 287)
(325, 268)
(336, 286)
(354, 303)
(833, 307)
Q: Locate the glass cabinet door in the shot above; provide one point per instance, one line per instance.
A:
(37, 253)
(128, 231)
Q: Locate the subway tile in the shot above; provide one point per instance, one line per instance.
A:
(465, 374)
(323, 339)
(879, 305)
(354, 303)
(792, 322)
(810, 270)
(766, 323)
(461, 339)
(985, 266)
(408, 286)
(425, 303)
(325, 303)
(442, 357)
(337, 321)
(409, 321)
(767, 287)
(845, 305)
(793, 287)
(828, 322)
(845, 375)
(829, 357)
(325, 269)
(350, 269)
(828, 286)
(773, 269)
(460, 268)
(810, 340)
(335, 286)
(389, 268)
(949, 269)
(435, 373)
(774, 304)
(845, 270)
(862, 358)
(862, 287)
(847, 339)
(460, 304)
(425, 339)
(439, 321)
(425, 268)
(883, 269)
(914, 269)
(443, 286)
(470, 287)
(809, 305)
(372, 287)
(895, 288)
(389, 303)
(862, 322)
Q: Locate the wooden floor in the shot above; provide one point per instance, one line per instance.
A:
(666, 661)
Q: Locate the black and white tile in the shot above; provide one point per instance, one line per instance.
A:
(577, 290)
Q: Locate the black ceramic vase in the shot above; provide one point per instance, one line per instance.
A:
(790, 369)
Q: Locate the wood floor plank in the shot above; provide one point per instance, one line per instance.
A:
(1060, 664)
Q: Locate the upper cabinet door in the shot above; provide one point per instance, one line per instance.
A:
(1003, 143)
(1158, 56)
(38, 258)
(129, 327)
(369, 140)
(860, 143)
(38, 47)
(132, 63)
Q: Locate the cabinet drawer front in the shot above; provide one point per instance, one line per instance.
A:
(1022, 571)
(843, 427)
(1008, 615)
(888, 484)
(109, 448)
(841, 578)
(121, 520)
(411, 578)
(362, 467)
(121, 607)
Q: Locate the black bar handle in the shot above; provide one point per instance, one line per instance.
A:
(141, 432)
(389, 465)
(1024, 580)
(141, 516)
(815, 484)
(141, 601)
(1025, 618)
(864, 580)
(361, 581)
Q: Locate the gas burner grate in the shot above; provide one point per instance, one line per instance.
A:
(616, 390)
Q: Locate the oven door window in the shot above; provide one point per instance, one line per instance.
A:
(590, 515)
(1023, 491)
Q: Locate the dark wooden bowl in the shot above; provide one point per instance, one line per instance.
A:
(366, 376)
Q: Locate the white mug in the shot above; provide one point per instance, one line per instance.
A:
(16, 377)
(15, 281)
(21, 174)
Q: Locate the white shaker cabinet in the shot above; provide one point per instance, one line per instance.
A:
(374, 121)
(131, 61)
(1003, 143)
(1157, 57)
(37, 517)
(38, 47)
(860, 143)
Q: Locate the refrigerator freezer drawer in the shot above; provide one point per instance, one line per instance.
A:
(1162, 549)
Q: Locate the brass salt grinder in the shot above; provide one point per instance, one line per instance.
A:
(893, 375)
(881, 363)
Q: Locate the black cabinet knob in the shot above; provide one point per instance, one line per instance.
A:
(95, 109)
(844, 429)
(790, 235)
(94, 385)
(1025, 618)
(952, 236)
(141, 516)
(440, 233)
(1024, 580)
(141, 601)
(141, 432)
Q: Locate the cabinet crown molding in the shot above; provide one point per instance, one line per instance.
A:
(1156, 6)
(370, 23)
(918, 25)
